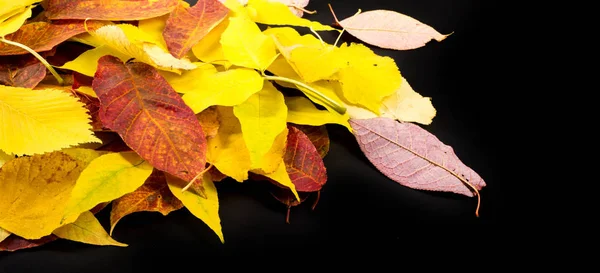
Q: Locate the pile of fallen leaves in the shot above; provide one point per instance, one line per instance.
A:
(144, 105)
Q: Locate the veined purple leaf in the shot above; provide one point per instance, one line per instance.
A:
(413, 157)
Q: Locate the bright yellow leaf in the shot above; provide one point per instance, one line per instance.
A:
(367, 78)
(227, 88)
(302, 111)
(209, 49)
(88, 230)
(9, 8)
(130, 41)
(153, 27)
(245, 45)
(106, 178)
(281, 67)
(189, 81)
(4, 157)
(206, 209)
(277, 13)
(40, 121)
(85, 156)
(87, 62)
(271, 160)
(14, 22)
(281, 176)
(3, 234)
(262, 117)
(86, 90)
(227, 150)
(35, 191)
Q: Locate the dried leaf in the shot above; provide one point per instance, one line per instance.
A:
(277, 13)
(245, 45)
(209, 119)
(21, 71)
(186, 26)
(39, 121)
(117, 10)
(150, 116)
(319, 137)
(303, 162)
(154, 195)
(35, 191)
(106, 178)
(413, 157)
(88, 230)
(390, 29)
(14, 242)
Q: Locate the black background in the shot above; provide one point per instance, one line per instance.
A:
(361, 213)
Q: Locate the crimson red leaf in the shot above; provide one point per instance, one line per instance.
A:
(117, 10)
(303, 162)
(186, 26)
(152, 119)
(413, 157)
(21, 71)
(318, 136)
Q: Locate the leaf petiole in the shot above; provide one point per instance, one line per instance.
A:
(38, 56)
(315, 93)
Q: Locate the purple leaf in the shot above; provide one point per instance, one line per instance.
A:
(413, 157)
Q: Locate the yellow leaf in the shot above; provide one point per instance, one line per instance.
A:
(245, 45)
(277, 13)
(3, 234)
(40, 121)
(14, 22)
(262, 117)
(227, 150)
(227, 88)
(209, 49)
(189, 81)
(106, 178)
(153, 27)
(88, 230)
(83, 155)
(302, 111)
(281, 176)
(368, 78)
(4, 157)
(271, 160)
(35, 191)
(130, 41)
(12, 7)
(206, 209)
(86, 90)
(281, 67)
(87, 62)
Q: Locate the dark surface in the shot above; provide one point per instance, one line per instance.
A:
(360, 211)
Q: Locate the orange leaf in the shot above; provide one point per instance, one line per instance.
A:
(42, 36)
(187, 26)
(118, 10)
(154, 195)
(152, 119)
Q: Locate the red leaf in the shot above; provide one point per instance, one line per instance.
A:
(14, 242)
(81, 80)
(413, 157)
(118, 10)
(21, 71)
(186, 26)
(152, 119)
(43, 36)
(303, 162)
(318, 136)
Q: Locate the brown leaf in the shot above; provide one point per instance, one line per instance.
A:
(186, 26)
(318, 136)
(154, 195)
(303, 162)
(14, 242)
(216, 175)
(209, 119)
(21, 71)
(43, 36)
(413, 157)
(152, 119)
(390, 29)
(110, 10)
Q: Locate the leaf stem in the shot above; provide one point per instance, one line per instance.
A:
(315, 93)
(196, 178)
(303, 9)
(38, 56)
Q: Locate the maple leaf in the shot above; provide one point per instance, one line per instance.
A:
(153, 195)
(35, 191)
(152, 119)
(21, 71)
(39, 121)
(186, 26)
(118, 10)
(86, 229)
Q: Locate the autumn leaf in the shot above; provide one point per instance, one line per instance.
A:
(117, 10)
(40, 121)
(150, 117)
(44, 36)
(413, 157)
(303, 162)
(86, 229)
(3, 234)
(186, 26)
(21, 71)
(35, 191)
(262, 117)
(13, 23)
(4, 157)
(302, 111)
(390, 29)
(154, 27)
(277, 13)
(190, 80)
(209, 119)
(280, 177)
(153, 195)
(271, 160)
(106, 178)
(209, 49)
(83, 155)
(295, 6)
(11, 8)
(205, 208)
(87, 63)
(14, 242)
(245, 45)
(319, 137)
